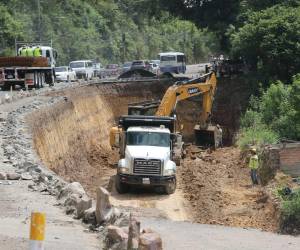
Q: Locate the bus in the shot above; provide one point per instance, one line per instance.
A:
(173, 62)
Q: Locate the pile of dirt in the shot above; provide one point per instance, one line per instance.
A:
(219, 188)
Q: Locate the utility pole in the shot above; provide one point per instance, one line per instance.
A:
(39, 19)
(124, 48)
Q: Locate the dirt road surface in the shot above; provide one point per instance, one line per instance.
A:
(143, 202)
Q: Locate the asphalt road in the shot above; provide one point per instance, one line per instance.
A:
(184, 235)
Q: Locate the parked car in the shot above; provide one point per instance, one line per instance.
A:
(98, 70)
(112, 70)
(154, 68)
(83, 68)
(140, 64)
(126, 66)
(155, 61)
(64, 73)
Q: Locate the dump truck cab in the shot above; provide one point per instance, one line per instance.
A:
(147, 149)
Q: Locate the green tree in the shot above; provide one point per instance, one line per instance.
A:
(276, 114)
(269, 41)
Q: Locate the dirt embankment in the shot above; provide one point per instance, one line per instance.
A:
(219, 187)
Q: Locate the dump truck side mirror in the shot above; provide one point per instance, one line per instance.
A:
(114, 137)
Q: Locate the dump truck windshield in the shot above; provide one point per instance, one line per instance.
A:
(148, 139)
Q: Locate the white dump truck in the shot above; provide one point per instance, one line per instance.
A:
(148, 150)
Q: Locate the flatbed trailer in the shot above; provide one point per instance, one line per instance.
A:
(31, 77)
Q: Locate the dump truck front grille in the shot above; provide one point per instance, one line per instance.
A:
(147, 167)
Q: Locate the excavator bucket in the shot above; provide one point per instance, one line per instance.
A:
(209, 137)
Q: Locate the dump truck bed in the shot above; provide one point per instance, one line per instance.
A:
(140, 120)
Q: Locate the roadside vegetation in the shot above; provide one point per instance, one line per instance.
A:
(290, 211)
(110, 31)
(272, 116)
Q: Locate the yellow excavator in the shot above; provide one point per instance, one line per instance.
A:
(149, 143)
(205, 133)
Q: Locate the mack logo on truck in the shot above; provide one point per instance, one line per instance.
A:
(193, 90)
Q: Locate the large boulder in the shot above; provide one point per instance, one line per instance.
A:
(78, 204)
(150, 240)
(104, 210)
(89, 216)
(72, 188)
(13, 176)
(117, 238)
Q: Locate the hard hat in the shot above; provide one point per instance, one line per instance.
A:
(253, 150)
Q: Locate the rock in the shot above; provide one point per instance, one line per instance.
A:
(43, 178)
(116, 234)
(13, 176)
(117, 238)
(2, 176)
(134, 233)
(104, 210)
(84, 204)
(77, 203)
(72, 188)
(26, 176)
(89, 216)
(149, 240)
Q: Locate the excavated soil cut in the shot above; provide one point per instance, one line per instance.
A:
(72, 139)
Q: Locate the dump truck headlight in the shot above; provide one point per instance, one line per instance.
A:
(124, 170)
(122, 167)
(169, 171)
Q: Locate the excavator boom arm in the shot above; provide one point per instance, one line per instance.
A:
(186, 90)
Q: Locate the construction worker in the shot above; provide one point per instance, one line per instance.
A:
(253, 165)
(37, 51)
(29, 51)
(23, 51)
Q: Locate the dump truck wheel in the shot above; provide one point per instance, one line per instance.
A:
(122, 188)
(170, 187)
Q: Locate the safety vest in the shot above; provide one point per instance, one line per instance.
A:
(29, 52)
(253, 163)
(37, 52)
(23, 52)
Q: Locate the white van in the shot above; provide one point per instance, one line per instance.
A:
(83, 69)
(173, 62)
